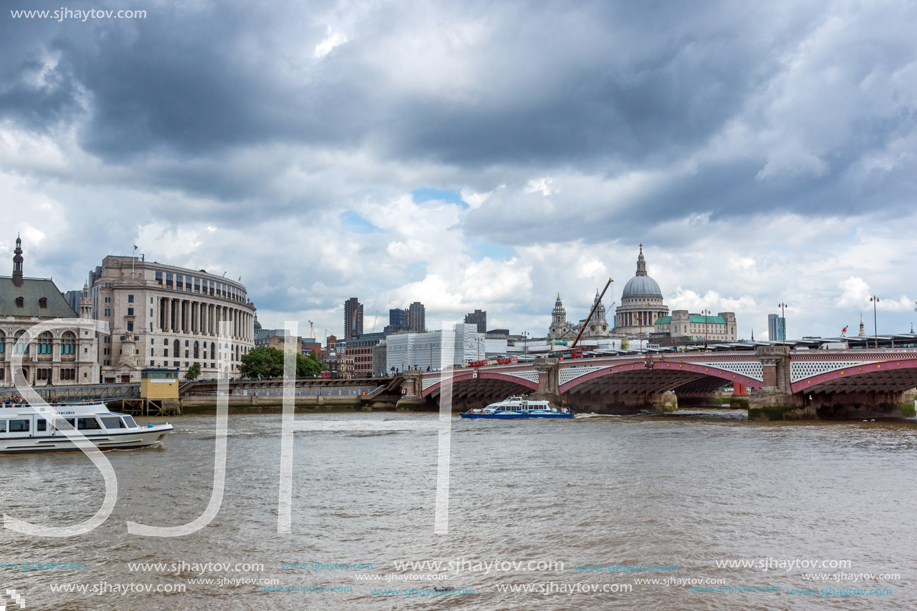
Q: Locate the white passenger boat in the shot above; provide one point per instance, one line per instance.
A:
(22, 430)
(516, 408)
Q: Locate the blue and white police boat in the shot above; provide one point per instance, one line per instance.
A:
(517, 408)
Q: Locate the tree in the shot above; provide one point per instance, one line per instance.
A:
(193, 372)
(262, 362)
(308, 366)
(268, 363)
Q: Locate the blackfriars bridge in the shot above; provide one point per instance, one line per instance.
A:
(785, 383)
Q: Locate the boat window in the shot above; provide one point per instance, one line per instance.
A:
(87, 424)
(60, 425)
(71, 422)
(41, 424)
(129, 422)
(112, 423)
(19, 426)
(2, 426)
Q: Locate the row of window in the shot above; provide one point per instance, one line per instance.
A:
(24, 425)
(44, 343)
(42, 302)
(190, 284)
(46, 373)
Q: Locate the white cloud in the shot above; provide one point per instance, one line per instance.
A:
(539, 184)
(334, 38)
(474, 200)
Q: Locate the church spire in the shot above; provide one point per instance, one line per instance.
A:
(862, 332)
(641, 263)
(17, 262)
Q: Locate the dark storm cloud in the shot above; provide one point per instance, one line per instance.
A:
(554, 82)
(216, 100)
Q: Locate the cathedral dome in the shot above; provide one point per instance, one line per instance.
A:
(641, 285)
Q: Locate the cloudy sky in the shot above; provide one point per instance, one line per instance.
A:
(478, 154)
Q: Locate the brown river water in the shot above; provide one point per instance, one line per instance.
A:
(700, 510)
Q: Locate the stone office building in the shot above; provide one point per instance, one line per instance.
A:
(58, 357)
(166, 316)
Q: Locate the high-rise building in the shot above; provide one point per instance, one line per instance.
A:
(478, 318)
(353, 318)
(417, 318)
(776, 328)
(397, 320)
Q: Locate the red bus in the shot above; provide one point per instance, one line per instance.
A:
(570, 353)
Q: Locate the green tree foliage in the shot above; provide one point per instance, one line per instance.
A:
(268, 363)
(193, 372)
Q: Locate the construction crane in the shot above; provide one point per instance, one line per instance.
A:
(311, 330)
(591, 312)
(375, 317)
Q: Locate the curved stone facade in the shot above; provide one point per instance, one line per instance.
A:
(166, 316)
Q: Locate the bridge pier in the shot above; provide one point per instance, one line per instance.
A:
(776, 400)
(412, 398)
(548, 381)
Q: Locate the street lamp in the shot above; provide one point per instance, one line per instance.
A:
(525, 345)
(706, 313)
(640, 335)
(783, 307)
(875, 330)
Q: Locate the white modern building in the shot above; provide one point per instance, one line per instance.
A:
(424, 351)
(166, 316)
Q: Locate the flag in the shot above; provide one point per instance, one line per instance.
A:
(135, 247)
(845, 329)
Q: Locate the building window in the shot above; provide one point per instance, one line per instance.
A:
(67, 344)
(165, 352)
(165, 342)
(130, 325)
(43, 302)
(20, 302)
(176, 347)
(107, 311)
(196, 351)
(130, 311)
(159, 278)
(44, 343)
(130, 299)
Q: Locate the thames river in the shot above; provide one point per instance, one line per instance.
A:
(700, 510)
